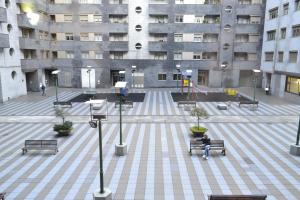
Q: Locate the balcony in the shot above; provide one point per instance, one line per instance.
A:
(117, 46)
(30, 43)
(246, 47)
(29, 64)
(4, 40)
(158, 46)
(196, 46)
(246, 64)
(23, 21)
(3, 15)
(206, 9)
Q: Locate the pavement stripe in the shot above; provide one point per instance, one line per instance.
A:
(167, 170)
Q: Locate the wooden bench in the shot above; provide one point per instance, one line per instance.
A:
(63, 103)
(248, 102)
(186, 103)
(40, 145)
(2, 196)
(126, 103)
(214, 145)
(237, 197)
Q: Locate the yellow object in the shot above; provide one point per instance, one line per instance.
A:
(27, 7)
(232, 92)
(186, 82)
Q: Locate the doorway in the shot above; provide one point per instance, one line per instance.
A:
(203, 77)
(49, 78)
(115, 76)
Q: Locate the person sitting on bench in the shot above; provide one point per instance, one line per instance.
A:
(206, 141)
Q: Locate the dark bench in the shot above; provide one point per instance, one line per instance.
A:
(214, 145)
(126, 103)
(2, 196)
(237, 197)
(248, 102)
(186, 103)
(40, 145)
(63, 103)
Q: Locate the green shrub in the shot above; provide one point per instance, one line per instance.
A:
(198, 129)
(67, 125)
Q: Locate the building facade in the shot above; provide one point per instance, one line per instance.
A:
(219, 40)
(281, 48)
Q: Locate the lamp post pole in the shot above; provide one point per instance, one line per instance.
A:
(101, 158)
(177, 75)
(55, 73)
(255, 71)
(298, 134)
(133, 68)
(121, 119)
(56, 90)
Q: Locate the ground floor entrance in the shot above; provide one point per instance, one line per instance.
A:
(116, 76)
(138, 80)
(203, 77)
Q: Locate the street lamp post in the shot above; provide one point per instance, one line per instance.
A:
(295, 148)
(56, 83)
(104, 193)
(121, 148)
(178, 72)
(133, 68)
(189, 76)
(89, 72)
(223, 67)
(255, 71)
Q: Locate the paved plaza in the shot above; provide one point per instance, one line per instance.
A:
(158, 164)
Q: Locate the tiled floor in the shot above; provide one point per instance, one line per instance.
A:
(158, 165)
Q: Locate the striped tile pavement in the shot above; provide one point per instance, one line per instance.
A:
(158, 165)
(157, 102)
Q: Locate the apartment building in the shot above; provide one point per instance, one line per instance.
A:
(220, 41)
(281, 48)
(12, 78)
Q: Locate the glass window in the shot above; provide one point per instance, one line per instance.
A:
(283, 33)
(176, 77)
(273, 13)
(84, 36)
(285, 9)
(85, 55)
(293, 85)
(269, 56)
(178, 56)
(179, 19)
(99, 56)
(98, 18)
(293, 56)
(271, 35)
(68, 18)
(280, 56)
(83, 18)
(178, 37)
(98, 37)
(69, 36)
(296, 31)
(297, 4)
(162, 77)
(198, 37)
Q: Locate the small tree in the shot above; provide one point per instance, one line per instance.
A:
(59, 112)
(200, 113)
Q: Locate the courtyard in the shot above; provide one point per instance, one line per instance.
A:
(158, 164)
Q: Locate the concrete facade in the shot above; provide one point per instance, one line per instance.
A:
(152, 35)
(12, 78)
(280, 60)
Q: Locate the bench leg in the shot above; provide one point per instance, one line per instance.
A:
(224, 152)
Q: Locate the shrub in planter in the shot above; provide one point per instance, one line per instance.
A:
(65, 127)
(200, 113)
(198, 131)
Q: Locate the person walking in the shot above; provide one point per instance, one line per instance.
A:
(206, 141)
(43, 90)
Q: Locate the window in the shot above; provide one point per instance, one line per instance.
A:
(179, 1)
(269, 56)
(293, 84)
(198, 37)
(197, 56)
(98, 18)
(83, 18)
(273, 13)
(69, 36)
(271, 35)
(99, 56)
(178, 37)
(138, 45)
(283, 33)
(280, 56)
(138, 9)
(162, 77)
(138, 27)
(69, 54)
(85, 55)
(178, 19)
(117, 55)
(176, 77)
(199, 19)
(286, 9)
(178, 56)
(84, 36)
(293, 55)
(98, 37)
(297, 5)
(296, 30)
(160, 56)
(68, 18)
